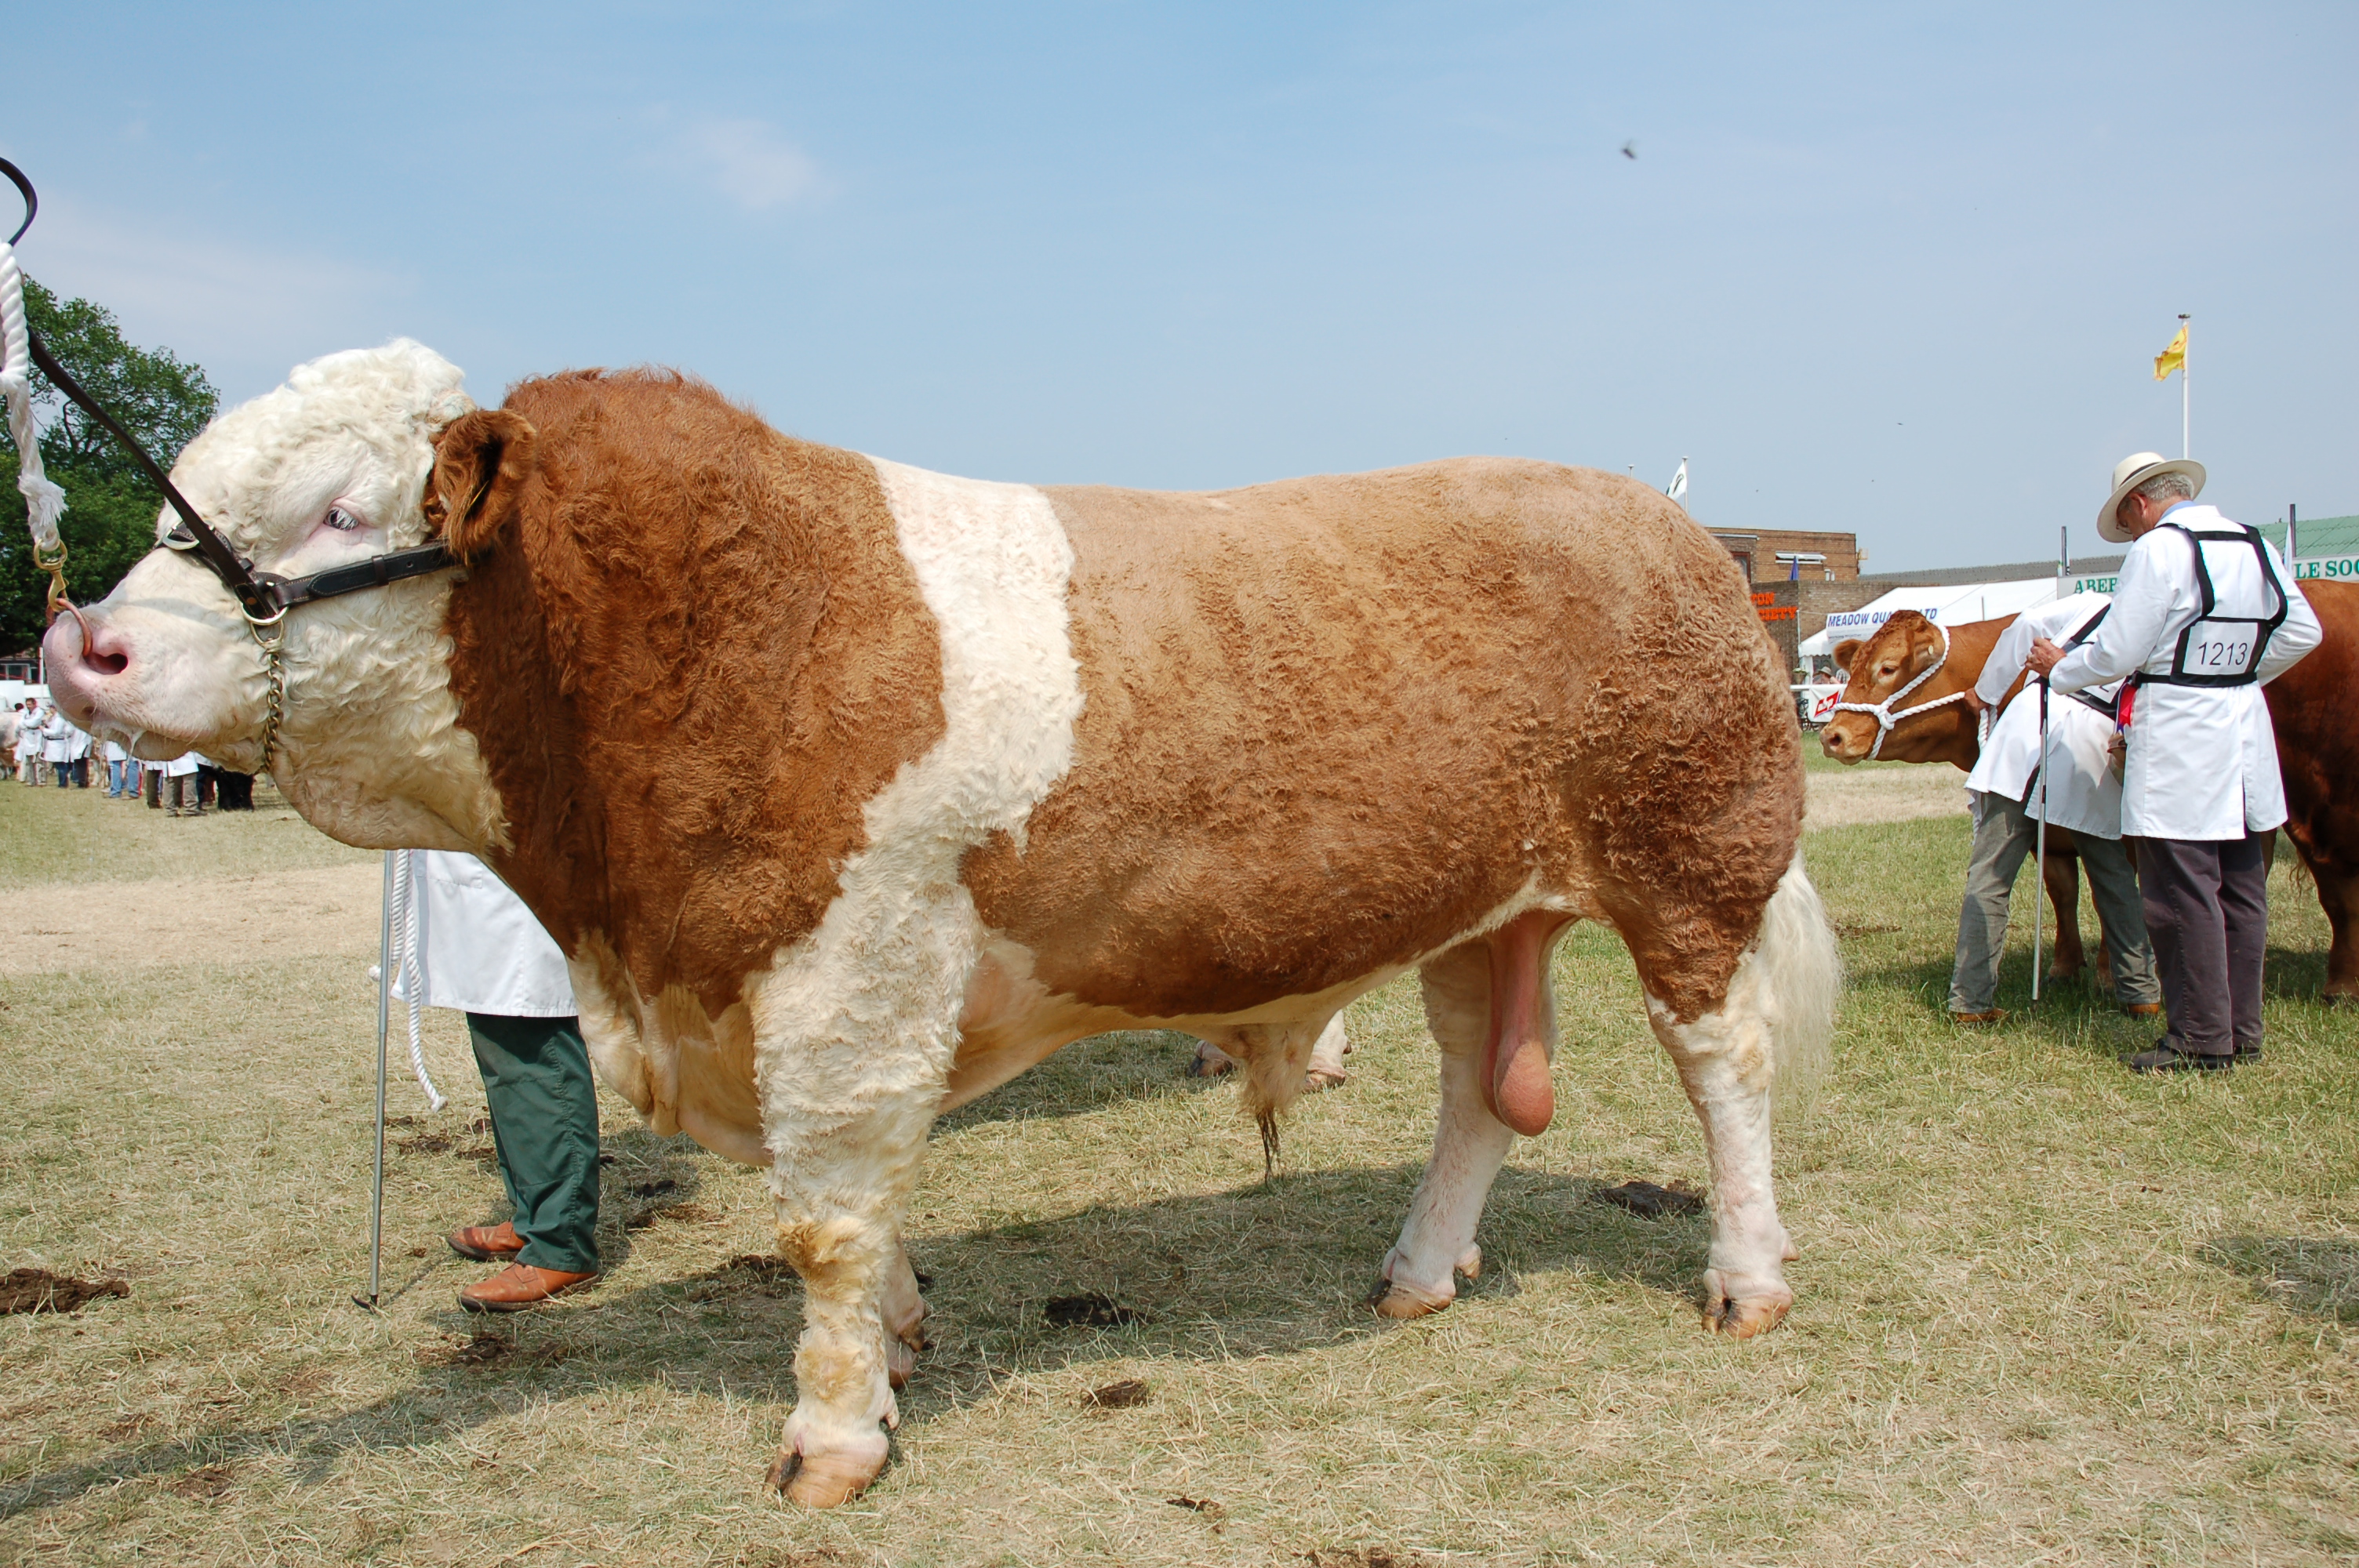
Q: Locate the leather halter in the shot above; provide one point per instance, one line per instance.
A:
(1886, 715)
(264, 597)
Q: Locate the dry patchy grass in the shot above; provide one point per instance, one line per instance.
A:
(2047, 1312)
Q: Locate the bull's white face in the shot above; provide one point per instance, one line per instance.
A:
(330, 469)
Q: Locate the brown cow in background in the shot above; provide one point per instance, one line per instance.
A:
(2318, 754)
(1950, 733)
(2309, 709)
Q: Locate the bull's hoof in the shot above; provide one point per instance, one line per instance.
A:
(1400, 1303)
(1210, 1062)
(1318, 1078)
(1741, 1317)
(901, 1361)
(2337, 998)
(822, 1480)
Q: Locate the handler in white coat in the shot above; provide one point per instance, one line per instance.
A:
(480, 951)
(2083, 796)
(2204, 615)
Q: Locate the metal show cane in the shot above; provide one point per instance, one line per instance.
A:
(2039, 855)
(384, 1003)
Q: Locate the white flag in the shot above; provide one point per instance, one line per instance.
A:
(1678, 488)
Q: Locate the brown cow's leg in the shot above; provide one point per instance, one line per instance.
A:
(2338, 894)
(1437, 1240)
(2062, 874)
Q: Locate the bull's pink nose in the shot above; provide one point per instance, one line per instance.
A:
(82, 654)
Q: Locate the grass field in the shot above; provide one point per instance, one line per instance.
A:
(2048, 1312)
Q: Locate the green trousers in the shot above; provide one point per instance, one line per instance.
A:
(545, 1125)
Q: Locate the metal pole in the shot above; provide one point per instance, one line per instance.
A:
(2040, 856)
(384, 1003)
(2186, 375)
(2293, 546)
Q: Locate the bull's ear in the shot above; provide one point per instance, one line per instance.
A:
(1845, 652)
(482, 460)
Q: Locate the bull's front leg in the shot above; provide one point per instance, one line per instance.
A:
(853, 1059)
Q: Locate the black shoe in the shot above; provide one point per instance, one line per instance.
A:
(2167, 1058)
(2247, 1053)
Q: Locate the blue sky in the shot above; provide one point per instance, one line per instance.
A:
(1896, 270)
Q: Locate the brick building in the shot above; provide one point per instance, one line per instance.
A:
(1775, 554)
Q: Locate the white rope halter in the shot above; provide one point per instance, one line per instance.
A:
(43, 500)
(1883, 713)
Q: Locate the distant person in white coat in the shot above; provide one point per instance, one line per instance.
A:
(2083, 795)
(2203, 616)
(480, 951)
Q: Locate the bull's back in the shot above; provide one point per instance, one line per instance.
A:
(1331, 723)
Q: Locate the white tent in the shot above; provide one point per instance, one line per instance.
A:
(1953, 603)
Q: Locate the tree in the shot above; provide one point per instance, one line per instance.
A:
(111, 507)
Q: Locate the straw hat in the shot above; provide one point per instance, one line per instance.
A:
(2133, 471)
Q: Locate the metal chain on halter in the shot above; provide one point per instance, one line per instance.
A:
(1883, 712)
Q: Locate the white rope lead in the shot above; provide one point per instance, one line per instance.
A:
(44, 501)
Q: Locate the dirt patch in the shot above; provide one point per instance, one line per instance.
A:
(1091, 1312)
(205, 1482)
(38, 1290)
(1649, 1201)
(1127, 1394)
(1895, 794)
(212, 920)
(1366, 1557)
(490, 1350)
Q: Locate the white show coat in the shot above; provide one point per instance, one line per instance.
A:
(55, 735)
(479, 948)
(2203, 761)
(2083, 794)
(182, 766)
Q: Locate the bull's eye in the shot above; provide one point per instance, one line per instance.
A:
(342, 520)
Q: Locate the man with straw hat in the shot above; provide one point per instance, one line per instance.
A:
(2202, 619)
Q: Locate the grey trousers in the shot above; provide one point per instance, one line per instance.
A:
(2004, 835)
(2207, 903)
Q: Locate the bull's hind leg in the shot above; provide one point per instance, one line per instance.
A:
(1490, 1008)
(1727, 1057)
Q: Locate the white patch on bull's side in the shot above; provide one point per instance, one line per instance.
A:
(856, 1025)
(370, 747)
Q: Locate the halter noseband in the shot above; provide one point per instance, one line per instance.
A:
(1883, 712)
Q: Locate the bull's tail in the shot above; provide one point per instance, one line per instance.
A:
(1804, 976)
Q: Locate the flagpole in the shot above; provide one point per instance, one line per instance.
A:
(2186, 360)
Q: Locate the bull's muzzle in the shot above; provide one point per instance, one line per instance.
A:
(87, 663)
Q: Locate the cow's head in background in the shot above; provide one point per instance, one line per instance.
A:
(1906, 646)
(360, 453)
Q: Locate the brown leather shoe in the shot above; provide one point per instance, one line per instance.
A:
(2142, 1009)
(1995, 1015)
(518, 1286)
(486, 1243)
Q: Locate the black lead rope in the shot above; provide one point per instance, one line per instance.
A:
(265, 596)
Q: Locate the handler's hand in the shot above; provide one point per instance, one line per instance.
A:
(2045, 656)
(1973, 700)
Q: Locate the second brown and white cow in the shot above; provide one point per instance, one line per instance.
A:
(852, 790)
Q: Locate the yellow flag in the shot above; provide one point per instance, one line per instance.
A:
(2173, 358)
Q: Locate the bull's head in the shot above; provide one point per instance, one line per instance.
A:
(358, 454)
(1905, 647)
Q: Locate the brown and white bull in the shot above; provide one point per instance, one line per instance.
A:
(852, 790)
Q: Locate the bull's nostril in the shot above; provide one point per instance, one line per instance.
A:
(104, 651)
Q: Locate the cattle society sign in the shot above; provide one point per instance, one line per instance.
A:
(2342, 568)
